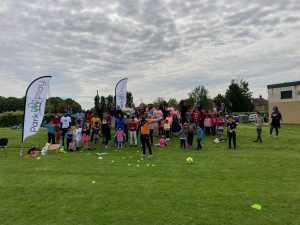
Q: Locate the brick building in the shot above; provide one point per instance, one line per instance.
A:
(287, 97)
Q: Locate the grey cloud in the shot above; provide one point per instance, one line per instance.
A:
(92, 44)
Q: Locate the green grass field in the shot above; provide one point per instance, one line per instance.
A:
(218, 188)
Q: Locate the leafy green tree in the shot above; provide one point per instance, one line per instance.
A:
(199, 97)
(238, 96)
(57, 104)
(103, 103)
(129, 100)
(159, 101)
(11, 104)
(173, 102)
(109, 100)
(219, 99)
(97, 101)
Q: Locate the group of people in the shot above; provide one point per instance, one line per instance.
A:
(88, 127)
(163, 122)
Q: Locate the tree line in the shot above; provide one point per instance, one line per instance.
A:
(53, 104)
(237, 98)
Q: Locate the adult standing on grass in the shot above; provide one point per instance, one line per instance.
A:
(259, 121)
(65, 124)
(145, 133)
(231, 125)
(106, 123)
(276, 118)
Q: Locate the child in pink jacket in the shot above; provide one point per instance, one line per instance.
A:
(120, 135)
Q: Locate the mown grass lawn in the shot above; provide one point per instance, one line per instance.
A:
(218, 188)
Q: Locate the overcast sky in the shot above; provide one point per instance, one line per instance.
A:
(165, 47)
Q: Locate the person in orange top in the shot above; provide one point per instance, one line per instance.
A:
(145, 133)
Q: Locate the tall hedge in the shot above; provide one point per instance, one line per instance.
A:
(8, 119)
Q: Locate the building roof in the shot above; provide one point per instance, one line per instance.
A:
(286, 84)
(260, 101)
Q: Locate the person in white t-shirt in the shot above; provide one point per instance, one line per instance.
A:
(65, 124)
(77, 136)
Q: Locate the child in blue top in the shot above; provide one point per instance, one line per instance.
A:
(199, 138)
(51, 132)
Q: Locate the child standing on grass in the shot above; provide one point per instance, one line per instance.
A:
(220, 123)
(85, 137)
(120, 135)
(259, 121)
(182, 136)
(167, 128)
(190, 133)
(231, 125)
(51, 132)
(199, 138)
(96, 132)
(133, 126)
(207, 124)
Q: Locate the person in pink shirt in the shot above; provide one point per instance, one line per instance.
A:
(162, 142)
(120, 135)
(207, 124)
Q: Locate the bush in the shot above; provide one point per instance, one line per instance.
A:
(8, 119)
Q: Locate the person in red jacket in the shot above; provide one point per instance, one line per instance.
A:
(213, 124)
(56, 122)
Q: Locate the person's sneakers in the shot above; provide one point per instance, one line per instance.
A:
(143, 155)
(276, 137)
(150, 156)
(269, 136)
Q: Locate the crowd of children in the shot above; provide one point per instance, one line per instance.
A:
(142, 126)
